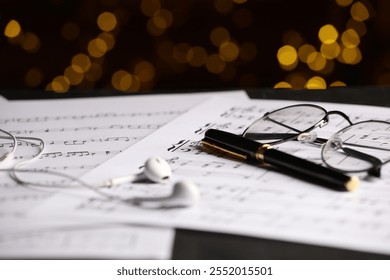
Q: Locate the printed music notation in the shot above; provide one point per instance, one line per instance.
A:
(43, 119)
(248, 199)
(71, 142)
(79, 135)
(86, 128)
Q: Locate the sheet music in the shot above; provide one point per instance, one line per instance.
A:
(239, 198)
(106, 241)
(79, 134)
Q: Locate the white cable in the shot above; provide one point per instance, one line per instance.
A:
(184, 193)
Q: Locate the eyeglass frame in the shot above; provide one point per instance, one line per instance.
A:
(377, 163)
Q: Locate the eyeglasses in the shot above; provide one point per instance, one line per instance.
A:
(357, 147)
(8, 146)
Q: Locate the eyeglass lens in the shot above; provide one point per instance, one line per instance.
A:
(6, 144)
(285, 123)
(358, 147)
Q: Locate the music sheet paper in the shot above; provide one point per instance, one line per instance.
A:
(107, 241)
(79, 134)
(239, 198)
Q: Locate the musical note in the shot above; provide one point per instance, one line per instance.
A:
(75, 142)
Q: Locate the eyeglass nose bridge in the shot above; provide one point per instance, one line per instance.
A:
(322, 123)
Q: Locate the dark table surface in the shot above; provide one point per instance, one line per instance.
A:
(190, 244)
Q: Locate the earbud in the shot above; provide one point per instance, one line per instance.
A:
(156, 170)
(184, 194)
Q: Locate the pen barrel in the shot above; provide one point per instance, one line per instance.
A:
(307, 170)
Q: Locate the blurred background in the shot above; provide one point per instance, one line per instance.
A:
(162, 45)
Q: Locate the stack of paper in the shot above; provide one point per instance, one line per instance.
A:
(79, 135)
(236, 198)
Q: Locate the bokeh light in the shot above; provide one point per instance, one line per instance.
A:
(12, 29)
(107, 21)
(328, 34)
(287, 57)
(145, 45)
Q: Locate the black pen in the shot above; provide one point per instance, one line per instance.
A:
(255, 152)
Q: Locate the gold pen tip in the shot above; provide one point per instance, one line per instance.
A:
(352, 184)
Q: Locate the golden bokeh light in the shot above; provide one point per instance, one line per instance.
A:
(163, 19)
(33, 77)
(161, 40)
(70, 31)
(197, 56)
(344, 3)
(328, 34)
(350, 55)
(12, 29)
(350, 38)
(107, 21)
(30, 42)
(135, 84)
(121, 80)
(74, 77)
(229, 51)
(359, 12)
(287, 55)
(60, 84)
(81, 63)
(330, 51)
(338, 84)
(219, 35)
(150, 7)
(215, 64)
(316, 61)
(283, 85)
(145, 71)
(97, 47)
(316, 82)
(108, 38)
(304, 51)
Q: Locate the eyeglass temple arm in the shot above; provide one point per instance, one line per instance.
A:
(335, 112)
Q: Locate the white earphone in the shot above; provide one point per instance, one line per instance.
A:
(156, 170)
(184, 194)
